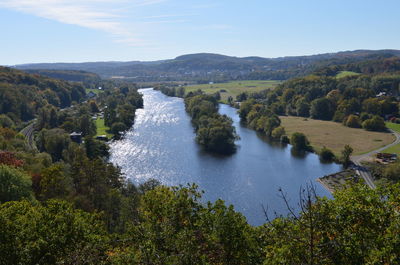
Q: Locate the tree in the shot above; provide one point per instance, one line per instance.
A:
(9, 159)
(326, 154)
(54, 142)
(322, 109)
(278, 132)
(53, 119)
(299, 142)
(54, 233)
(357, 227)
(216, 134)
(245, 108)
(372, 106)
(87, 125)
(376, 123)
(93, 107)
(14, 185)
(6, 122)
(346, 155)
(117, 128)
(302, 108)
(95, 148)
(55, 183)
(270, 124)
(176, 228)
(353, 121)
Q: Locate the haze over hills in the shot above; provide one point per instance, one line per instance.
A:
(204, 67)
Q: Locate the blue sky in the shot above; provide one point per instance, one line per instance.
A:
(125, 30)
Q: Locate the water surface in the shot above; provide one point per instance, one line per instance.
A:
(161, 145)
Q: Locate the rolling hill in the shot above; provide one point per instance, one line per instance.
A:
(204, 67)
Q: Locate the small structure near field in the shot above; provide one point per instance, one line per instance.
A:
(385, 158)
(102, 138)
(76, 137)
(91, 95)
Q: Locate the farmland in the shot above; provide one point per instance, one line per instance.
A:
(234, 88)
(334, 135)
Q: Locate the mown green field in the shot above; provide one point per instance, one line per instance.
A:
(394, 126)
(93, 90)
(394, 149)
(102, 128)
(234, 88)
(342, 74)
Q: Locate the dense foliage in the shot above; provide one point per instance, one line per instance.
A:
(68, 75)
(214, 131)
(172, 226)
(356, 100)
(259, 117)
(23, 95)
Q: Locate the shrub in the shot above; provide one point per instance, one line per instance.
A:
(353, 121)
(300, 142)
(118, 127)
(285, 139)
(374, 124)
(326, 155)
(278, 132)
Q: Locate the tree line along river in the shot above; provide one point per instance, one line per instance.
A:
(161, 145)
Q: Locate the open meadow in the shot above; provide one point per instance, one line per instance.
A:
(102, 128)
(334, 135)
(394, 149)
(342, 74)
(234, 88)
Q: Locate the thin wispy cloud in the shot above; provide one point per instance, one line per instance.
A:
(102, 15)
(168, 16)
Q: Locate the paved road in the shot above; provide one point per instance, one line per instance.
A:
(28, 133)
(362, 171)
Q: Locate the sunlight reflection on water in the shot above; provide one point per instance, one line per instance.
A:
(161, 145)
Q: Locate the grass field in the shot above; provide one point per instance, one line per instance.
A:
(394, 149)
(342, 74)
(394, 126)
(102, 129)
(234, 88)
(96, 91)
(334, 135)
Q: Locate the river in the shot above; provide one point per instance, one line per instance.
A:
(161, 145)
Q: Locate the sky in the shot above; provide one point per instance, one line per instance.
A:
(34, 31)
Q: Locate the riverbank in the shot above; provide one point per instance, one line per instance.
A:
(339, 180)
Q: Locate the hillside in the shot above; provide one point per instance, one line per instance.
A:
(204, 67)
(23, 95)
(67, 75)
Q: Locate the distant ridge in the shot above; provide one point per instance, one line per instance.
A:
(209, 66)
